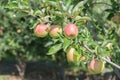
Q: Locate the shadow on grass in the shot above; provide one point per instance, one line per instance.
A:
(46, 70)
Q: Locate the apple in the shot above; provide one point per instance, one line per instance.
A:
(71, 31)
(96, 66)
(73, 55)
(19, 31)
(55, 31)
(116, 19)
(41, 30)
(83, 58)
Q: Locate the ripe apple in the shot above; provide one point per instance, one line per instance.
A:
(71, 31)
(55, 31)
(73, 55)
(96, 66)
(41, 30)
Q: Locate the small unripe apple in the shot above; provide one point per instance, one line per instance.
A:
(55, 31)
(19, 31)
(41, 30)
(96, 66)
(83, 58)
(71, 31)
(73, 55)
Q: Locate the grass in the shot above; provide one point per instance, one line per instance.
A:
(4, 77)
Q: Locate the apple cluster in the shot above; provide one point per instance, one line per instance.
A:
(70, 31)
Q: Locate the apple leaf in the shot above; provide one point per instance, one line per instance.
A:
(66, 43)
(53, 3)
(79, 18)
(12, 5)
(55, 48)
(80, 4)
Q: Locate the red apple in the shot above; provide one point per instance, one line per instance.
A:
(73, 55)
(71, 31)
(55, 31)
(41, 30)
(96, 66)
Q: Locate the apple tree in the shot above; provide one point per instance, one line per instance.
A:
(81, 33)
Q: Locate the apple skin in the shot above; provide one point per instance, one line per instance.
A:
(73, 55)
(55, 31)
(71, 31)
(96, 66)
(70, 54)
(41, 30)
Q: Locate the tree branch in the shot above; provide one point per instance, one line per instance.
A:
(93, 31)
(94, 53)
(95, 37)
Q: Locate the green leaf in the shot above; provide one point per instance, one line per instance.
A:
(77, 56)
(12, 5)
(34, 25)
(80, 4)
(53, 3)
(70, 9)
(79, 18)
(54, 49)
(68, 4)
(66, 43)
(48, 44)
(25, 2)
(76, 13)
(23, 5)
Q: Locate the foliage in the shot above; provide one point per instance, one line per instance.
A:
(20, 17)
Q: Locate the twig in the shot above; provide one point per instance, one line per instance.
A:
(94, 53)
(115, 66)
(85, 46)
(110, 62)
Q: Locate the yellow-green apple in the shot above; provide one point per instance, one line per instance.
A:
(55, 31)
(73, 55)
(96, 66)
